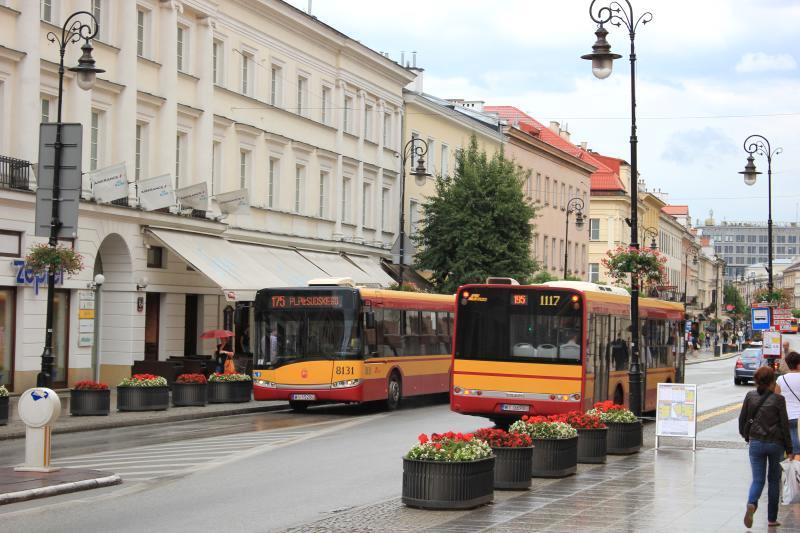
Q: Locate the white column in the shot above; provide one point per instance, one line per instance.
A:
(25, 97)
(168, 86)
(204, 138)
(338, 177)
(124, 131)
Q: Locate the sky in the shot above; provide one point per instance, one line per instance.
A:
(708, 74)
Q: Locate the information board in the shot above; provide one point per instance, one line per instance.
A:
(676, 411)
(782, 318)
(772, 343)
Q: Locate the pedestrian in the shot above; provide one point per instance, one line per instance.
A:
(223, 357)
(788, 385)
(764, 424)
(701, 337)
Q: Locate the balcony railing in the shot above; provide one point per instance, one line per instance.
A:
(14, 173)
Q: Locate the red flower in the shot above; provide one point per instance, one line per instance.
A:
(191, 378)
(438, 446)
(90, 385)
(423, 438)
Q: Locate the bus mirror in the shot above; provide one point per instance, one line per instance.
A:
(369, 320)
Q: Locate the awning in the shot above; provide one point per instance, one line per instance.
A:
(372, 267)
(227, 266)
(287, 264)
(336, 266)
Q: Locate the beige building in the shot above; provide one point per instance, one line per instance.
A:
(256, 98)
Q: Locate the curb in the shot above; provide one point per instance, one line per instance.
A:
(18, 434)
(55, 490)
(720, 358)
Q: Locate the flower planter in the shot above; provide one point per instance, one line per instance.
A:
(512, 467)
(142, 398)
(448, 485)
(87, 402)
(3, 410)
(229, 391)
(624, 438)
(554, 457)
(592, 445)
(189, 394)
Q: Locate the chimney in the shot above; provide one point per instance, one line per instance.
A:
(416, 85)
(402, 58)
(555, 126)
(414, 60)
(564, 134)
(309, 7)
(584, 146)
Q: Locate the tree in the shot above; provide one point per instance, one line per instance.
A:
(543, 276)
(478, 224)
(733, 297)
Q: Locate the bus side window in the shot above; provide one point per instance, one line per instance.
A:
(443, 332)
(372, 335)
(390, 329)
(411, 344)
(429, 342)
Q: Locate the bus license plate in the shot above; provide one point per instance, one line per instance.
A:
(513, 407)
(304, 397)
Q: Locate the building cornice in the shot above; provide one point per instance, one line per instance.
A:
(453, 117)
(527, 141)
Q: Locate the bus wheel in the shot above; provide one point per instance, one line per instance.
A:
(394, 392)
(299, 407)
(618, 395)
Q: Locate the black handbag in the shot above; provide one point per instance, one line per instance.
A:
(749, 423)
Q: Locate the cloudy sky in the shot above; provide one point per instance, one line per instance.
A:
(709, 73)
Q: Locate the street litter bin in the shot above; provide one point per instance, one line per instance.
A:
(717, 350)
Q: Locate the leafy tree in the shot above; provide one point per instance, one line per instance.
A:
(478, 224)
(733, 297)
(543, 276)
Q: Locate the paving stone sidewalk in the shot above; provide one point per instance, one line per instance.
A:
(703, 355)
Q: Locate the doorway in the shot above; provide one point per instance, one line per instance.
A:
(190, 325)
(152, 325)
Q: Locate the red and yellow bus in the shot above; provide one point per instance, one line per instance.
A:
(556, 347)
(330, 343)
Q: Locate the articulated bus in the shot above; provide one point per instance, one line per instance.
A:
(329, 343)
(556, 347)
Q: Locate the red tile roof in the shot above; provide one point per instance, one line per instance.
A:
(676, 210)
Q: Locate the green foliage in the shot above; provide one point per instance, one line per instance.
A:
(648, 264)
(543, 276)
(796, 313)
(42, 257)
(732, 296)
(478, 224)
(777, 296)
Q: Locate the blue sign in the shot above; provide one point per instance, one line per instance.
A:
(688, 326)
(760, 318)
(26, 276)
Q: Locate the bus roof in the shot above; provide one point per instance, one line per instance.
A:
(388, 298)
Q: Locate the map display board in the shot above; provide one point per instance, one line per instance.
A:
(772, 343)
(676, 410)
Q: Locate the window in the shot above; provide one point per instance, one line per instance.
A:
(96, 140)
(98, 11)
(528, 187)
(740, 238)
(275, 90)
(387, 129)
(781, 238)
(781, 250)
(216, 167)
(555, 194)
(299, 186)
(244, 168)
(553, 253)
(752, 238)
(762, 238)
(217, 57)
(247, 74)
(545, 262)
(180, 157)
(324, 178)
(792, 239)
(141, 32)
(546, 190)
(413, 216)
(444, 161)
(368, 122)
(140, 157)
(346, 183)
(431, 162)
(594, 272)
(274, 170)
(386, 201)
(538, 187)
(326, 105)
(45, 110)
(347, 116)
(740, 249)
(366, 206)
(10, 243)
(563, 196)
(47, 10)
(594, 229)
(155, 257)
(302, 95)
(791, 250)
(180, 48)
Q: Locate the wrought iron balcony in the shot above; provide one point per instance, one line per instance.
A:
(14, 173)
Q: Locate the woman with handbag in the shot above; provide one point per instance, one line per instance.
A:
(764, 424)
(788, 385)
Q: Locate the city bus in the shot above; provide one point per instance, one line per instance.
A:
(556, 347)
(334, 342)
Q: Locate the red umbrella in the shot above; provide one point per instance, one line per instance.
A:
(216, 334)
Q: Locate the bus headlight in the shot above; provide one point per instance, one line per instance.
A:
(345, 384)
(268, 384)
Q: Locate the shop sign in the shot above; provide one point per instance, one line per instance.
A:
(86, 317)
(26, 276)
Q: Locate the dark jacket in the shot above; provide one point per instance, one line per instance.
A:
(770, 424)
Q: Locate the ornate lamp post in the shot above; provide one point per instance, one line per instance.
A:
(72, 32)
(602, 60)
(689, 252)
(575, 205)
(652, 233)
(760, 145)
(415, 147)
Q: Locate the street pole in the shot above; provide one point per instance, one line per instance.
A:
(602, 61)
(574, 205)
(414, 147)
(72, 31)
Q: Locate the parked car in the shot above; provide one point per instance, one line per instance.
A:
(746, 365)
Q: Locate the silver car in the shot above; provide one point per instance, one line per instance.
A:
(747, 364)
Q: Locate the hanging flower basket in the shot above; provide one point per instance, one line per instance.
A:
(43, 257)
(648, 264)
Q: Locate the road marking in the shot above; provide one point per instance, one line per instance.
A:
(717, 412)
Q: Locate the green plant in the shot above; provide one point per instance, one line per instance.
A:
(610, 412)
(646, 263)
(543, 276)
(143, 380)
(228, 378)
(779, 297)
(3, 391)
(42, 257)
(449, 447)
(540, 427)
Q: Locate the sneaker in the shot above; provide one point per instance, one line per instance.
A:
(748, 516)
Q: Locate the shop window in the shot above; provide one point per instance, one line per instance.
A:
(7, 328)
(155, 257)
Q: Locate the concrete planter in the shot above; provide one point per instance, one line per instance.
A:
(142, 398)
(229, 391)
(554, 457)
(3, 410)
(89, 402)
(624, 439)
(442, 485)
(512, 467)
(592, 445)
(189, 394)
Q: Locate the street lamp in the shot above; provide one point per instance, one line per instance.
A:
(652, 233)
(689, 252)
(415, 147)
(602, 60)
(575, 205)
(760, 145)
(72, 32)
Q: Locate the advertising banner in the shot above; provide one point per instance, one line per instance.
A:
(676, 410)
(234, 202)
(109, 184)
(156, 193)
(193, 196)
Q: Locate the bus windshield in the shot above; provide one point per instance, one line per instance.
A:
(519, 325)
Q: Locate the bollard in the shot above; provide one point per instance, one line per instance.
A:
(38, 409)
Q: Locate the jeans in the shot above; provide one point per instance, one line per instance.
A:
(793, 433)
(761, 454)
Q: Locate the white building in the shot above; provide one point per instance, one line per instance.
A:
(238, 95)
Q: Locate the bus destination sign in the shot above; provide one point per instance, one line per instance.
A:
(297, 301)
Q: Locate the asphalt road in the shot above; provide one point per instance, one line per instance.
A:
(259, 472)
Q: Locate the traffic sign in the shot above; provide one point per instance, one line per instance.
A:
(759, 318)
(69, 182)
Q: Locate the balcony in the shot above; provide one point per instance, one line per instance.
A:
(14, 173)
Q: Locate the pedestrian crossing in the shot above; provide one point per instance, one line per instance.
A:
(172, 459)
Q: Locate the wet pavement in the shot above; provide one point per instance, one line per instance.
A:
(22, 486)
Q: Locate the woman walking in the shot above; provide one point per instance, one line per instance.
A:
(788, 385)
(764, 424)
